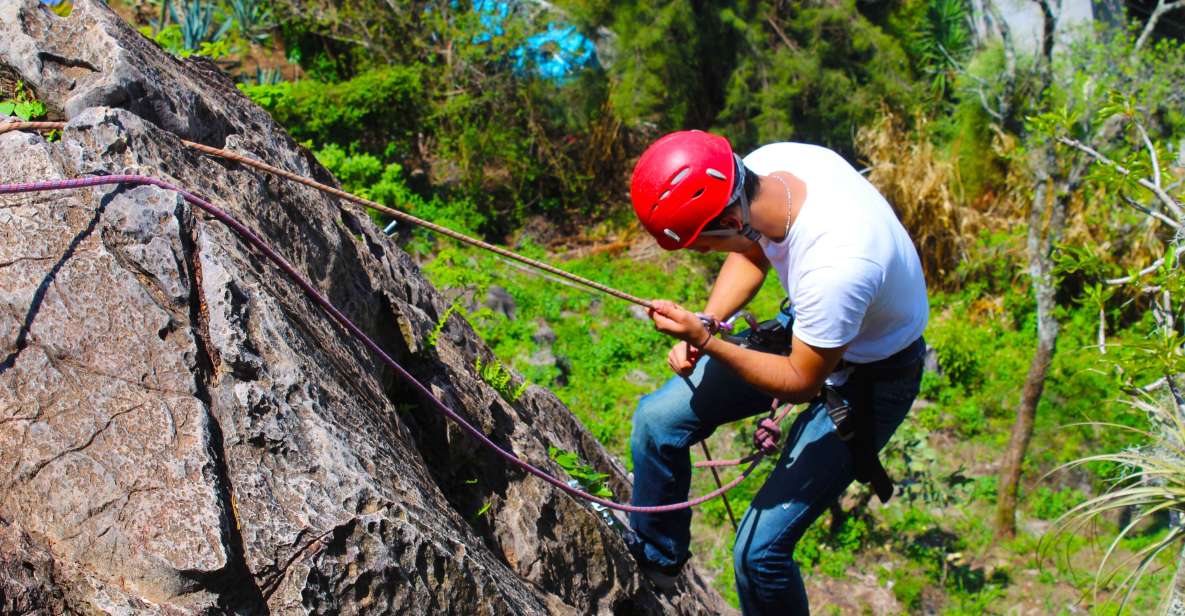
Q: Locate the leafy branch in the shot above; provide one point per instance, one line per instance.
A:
(22, 104)
(501, 379)
(589, 479)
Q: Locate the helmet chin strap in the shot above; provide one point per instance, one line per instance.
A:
(746, 229)
(739, 198)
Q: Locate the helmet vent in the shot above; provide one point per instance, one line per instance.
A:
(672, 235)
(664, 195)
(679, 177)
(716, 174)
(697, 193)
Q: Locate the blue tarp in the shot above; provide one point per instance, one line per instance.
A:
(555, 54)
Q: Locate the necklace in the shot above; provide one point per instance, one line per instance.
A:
(789, 205)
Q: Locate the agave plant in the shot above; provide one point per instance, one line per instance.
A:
(197, 23)
(268, 76)
(254, 18)
(1152, 483)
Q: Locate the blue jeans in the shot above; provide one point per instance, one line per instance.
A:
(813, 470)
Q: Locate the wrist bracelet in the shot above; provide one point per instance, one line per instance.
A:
(701, 346)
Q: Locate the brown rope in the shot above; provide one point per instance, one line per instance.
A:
(397, 214)
(404, 216)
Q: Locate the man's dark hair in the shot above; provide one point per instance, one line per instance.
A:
(750, 189)
(750, 185)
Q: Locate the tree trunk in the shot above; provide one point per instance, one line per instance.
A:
(1022, 429)
(1041, 238)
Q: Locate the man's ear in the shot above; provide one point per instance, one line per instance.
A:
(731, 219)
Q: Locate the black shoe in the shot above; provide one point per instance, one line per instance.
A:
(663, 577)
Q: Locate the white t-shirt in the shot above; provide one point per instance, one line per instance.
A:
(848, 266)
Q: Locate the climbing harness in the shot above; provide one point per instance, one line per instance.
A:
(750, 462)
(852, 414)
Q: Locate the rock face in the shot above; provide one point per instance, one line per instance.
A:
(182, 431)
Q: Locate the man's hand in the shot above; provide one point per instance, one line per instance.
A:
(673, 320)
(682, 358)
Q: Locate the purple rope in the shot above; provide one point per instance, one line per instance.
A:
(357, 332)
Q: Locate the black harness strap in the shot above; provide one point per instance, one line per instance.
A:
(853, 416)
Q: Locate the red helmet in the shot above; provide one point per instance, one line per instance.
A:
(682, 182)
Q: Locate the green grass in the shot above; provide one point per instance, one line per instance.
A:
(610, 355)
(938, 537)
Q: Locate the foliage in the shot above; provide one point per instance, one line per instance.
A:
(832, 552)
(196, 24)
(251, 18)
(814, 72)
(1049, 504)
(386, 101)
(1152, 482)
(959, 356)
(455, 110)
(265, 77)
(1090, 109)
(434, 337)
(502, 380)
(22, 104)
(589, 479)
(939, 39)
(757, 71)
(914, 176)
(671, 58)
(171, 39)
(1119, 131)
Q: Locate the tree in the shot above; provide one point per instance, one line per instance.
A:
(811, 72)
(1052, 182)
(447, 90)
(1024, 87)
(1162, 7)
(1153, 474)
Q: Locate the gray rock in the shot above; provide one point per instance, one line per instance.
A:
(930, 360)
(543, 357)
(182, 431)
(499, 300)
(639, 377)
(544, 335)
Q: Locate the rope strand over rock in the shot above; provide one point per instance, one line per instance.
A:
(323, 302)
(394, 213)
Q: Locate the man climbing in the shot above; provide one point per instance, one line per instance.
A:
(858, 304)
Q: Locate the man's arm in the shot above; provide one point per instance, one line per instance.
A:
(738, 281)
(795, 379)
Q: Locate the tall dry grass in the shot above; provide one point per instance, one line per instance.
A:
(921, 182)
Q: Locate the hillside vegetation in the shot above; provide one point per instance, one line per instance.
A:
(1043, 188)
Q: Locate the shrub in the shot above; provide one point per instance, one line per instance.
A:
(380, 110)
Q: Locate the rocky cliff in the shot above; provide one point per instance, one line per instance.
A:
(182, 431)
